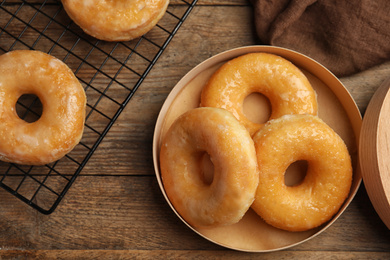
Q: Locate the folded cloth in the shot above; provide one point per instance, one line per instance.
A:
(344, 36)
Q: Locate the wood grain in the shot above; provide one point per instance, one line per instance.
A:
(127, 212)
(374, 151)
(183, 254)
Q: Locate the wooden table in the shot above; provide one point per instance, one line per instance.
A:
(115, 209)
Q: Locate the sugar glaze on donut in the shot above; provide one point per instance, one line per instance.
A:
(326, 185)
(286, 87)
(63, 99)
(122, 20)
(218, 133)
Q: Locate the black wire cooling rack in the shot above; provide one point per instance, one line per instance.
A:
(110, 72)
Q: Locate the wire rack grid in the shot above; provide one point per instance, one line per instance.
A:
(110, 72)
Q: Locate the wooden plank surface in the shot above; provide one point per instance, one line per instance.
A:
(129, 213)
(115, 209)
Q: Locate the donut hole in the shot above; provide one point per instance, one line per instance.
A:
(206, 168)
(257, 108)
(295, 173)
(29, 108)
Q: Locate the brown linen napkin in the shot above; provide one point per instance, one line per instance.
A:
(344, 36)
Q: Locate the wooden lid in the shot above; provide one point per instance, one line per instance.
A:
(374, 151)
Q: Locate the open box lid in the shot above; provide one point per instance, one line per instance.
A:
(374, 151)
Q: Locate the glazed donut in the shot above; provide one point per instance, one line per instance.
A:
(226, 198)
(61, 124)
(286, 87)
(326, 185)
(115, 20)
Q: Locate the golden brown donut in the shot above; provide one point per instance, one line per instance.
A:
(286, 87)
(215, 132)
(326, 185)
(117, 20)
(61, 124)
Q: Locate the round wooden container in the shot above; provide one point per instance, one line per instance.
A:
(374, 151)
(336, 107)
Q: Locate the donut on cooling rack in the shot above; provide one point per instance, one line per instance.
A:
(286, 87)
(115, 20)
(63, 99)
